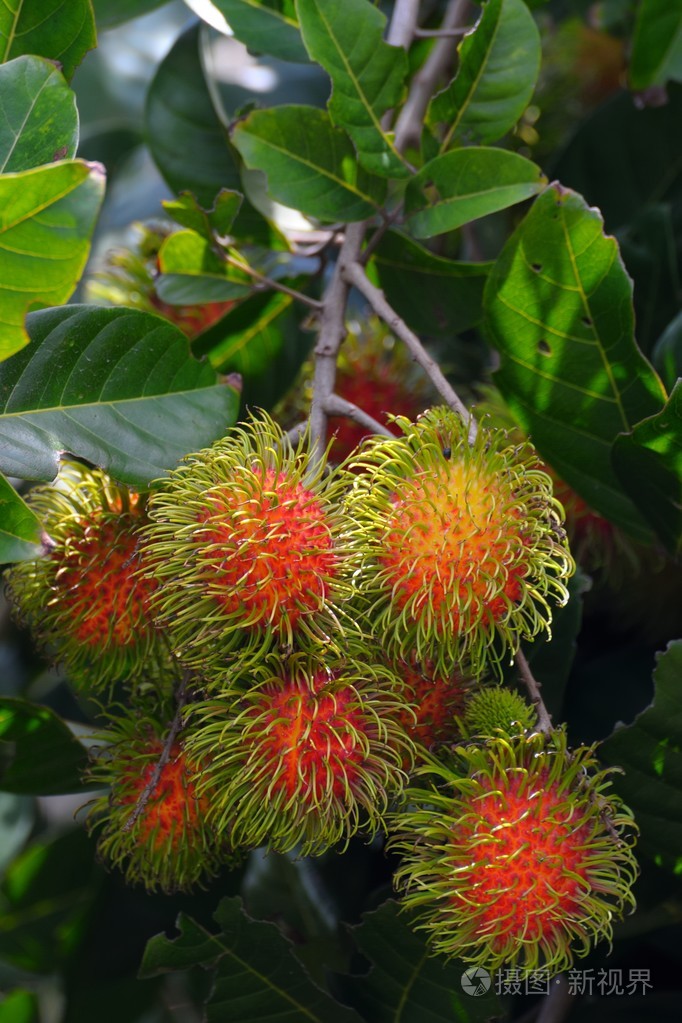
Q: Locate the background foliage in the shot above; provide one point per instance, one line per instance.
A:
(527, 228)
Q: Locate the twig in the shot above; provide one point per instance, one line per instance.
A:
(268, 282)
(148, 790)
(408, 125)
(533, 687)
(355, 275)
(335, 405)
(401, 30)
(332, 333)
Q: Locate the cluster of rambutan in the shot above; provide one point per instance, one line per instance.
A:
(298, 644)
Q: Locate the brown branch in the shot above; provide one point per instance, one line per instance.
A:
(355, 275)
(409, 123)
(533, 687)
(557, 1005)
(401, 29)
(164, 757)
(335, 405)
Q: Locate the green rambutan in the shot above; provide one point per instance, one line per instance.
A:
(152, 824)
(307, 756)
(518, 856)
(462, 544)
(85, 599)
(493, 709)
(248, 547)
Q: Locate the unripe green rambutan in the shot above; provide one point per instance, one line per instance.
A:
(152, 825)
(248, 545)
(519, 856)
(493, 709)
(85, 600)
(306, 757)
(463, 550)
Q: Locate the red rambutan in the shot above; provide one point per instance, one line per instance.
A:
(518, 856)
(85, 599)
(306, 757)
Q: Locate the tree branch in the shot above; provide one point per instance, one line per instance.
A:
(335, 405)
(355, 275)
(533, 687)
(268, 282)
(409, 123)
(403, 23)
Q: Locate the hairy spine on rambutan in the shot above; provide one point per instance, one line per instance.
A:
(152, 823)
(436, 703)
(248, 546)
(518, 855)
(85, 599)
(463, 553)
(310, 753)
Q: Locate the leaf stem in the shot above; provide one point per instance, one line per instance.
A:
(268, 282)
(335, 405)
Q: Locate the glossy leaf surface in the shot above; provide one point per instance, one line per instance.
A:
(38, 116)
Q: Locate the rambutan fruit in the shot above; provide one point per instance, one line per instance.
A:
(520, 856)
(436, 702)
(248, 546)
(85, 600)
(494, 709)
(462, 543)
(152, 823)
(307, 756)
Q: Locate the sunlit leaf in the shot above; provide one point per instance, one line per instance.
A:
(47, 216)
(61, 30)
(648, 462)
(257, 977)
(466, 184)
(367, 75)
(558, 307)
(116, 387)
(310, 164)
(192, 272)
(38, 116)
(218, 220)
(265, 26)
(650, 753)
(20, 530)
(497, 70)
(109, 13)
(20, 1006)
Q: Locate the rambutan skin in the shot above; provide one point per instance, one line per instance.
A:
(517, 856)
(305, 756)
(463, 551)
(436, 703)
(152, 824)
(249, 551)
(85, 599)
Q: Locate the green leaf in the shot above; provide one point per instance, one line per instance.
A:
(46, 897)
(648, 462)
(498, 67)
(185, 136)
(110, 13)
(40, 756)
(192, 272)
(47, 216)
(265, 26)
(656, 44)
(20, 529)
(61, 30)
(116, 387)
(650, 753)
(667, 353)
(20, 1006)
(185, 210)
(17, 820)
(436, 296)
(310, 165)
(367, 75)
(261, 340)
(257, 977)
(406, 981)
(466, 184)
(38, 117)
(558, 308)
